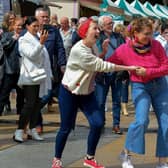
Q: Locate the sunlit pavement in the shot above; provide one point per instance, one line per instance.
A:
(33, 154)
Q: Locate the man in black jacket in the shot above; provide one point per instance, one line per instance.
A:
(55, 48)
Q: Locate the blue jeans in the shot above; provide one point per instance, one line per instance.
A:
(101, 92)
(155, 92)
(69, 104)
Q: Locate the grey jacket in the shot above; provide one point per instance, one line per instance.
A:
(11, 56)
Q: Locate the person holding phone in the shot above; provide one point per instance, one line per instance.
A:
(33, 54)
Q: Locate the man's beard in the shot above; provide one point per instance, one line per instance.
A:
(109, 31)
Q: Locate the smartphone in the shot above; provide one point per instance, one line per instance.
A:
(46, 27)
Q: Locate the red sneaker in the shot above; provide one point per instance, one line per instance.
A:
(56, 163)
(92, 163)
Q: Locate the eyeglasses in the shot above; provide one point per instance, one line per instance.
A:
(110, 24)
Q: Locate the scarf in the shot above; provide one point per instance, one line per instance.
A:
(140, 48)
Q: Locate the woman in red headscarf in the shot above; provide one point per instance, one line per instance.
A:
(77, 91)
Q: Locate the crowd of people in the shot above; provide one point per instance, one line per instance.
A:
(78, 61)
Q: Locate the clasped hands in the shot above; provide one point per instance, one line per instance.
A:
(140, 71)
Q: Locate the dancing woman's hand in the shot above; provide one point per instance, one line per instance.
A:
(141, 71)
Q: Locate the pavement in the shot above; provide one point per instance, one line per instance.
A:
(33, 154)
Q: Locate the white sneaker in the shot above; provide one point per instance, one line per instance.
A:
(126, 160)
(18, 136)
(162, 165)
(33, 134)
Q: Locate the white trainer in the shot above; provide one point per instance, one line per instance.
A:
(162, 165)
(126, 160)
(18, 136)
(33, 134)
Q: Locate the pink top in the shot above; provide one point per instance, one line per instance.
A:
(155, 61)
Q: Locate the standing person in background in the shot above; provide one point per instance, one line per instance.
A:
(33, 54)
(105, 81)
(74, 24)
(75, 36)
(77, 91)
(149, 86)
(120, 28)
(9, 42)
(163, 37)
(66, 34)
(156, 27)
(55, 48)
(8, 21)
(7, 26)
(54, 21)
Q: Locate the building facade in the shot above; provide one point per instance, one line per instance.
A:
(70, 8)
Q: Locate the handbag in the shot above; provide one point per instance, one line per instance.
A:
(36, 74)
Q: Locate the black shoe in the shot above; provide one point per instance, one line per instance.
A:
(8, 108)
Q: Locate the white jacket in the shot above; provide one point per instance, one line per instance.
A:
(80, 70)
(33, 54)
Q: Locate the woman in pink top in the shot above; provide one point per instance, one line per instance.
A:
(148, 87)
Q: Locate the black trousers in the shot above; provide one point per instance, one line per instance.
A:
(31, 108)
(55, 93)
(9, 82)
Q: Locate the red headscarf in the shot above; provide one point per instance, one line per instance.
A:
(84, 28)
